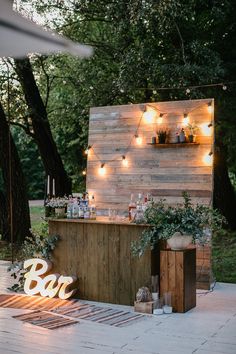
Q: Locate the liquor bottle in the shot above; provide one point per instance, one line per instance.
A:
(81, 210)
(139, 206)
(93, 211)
(69, 212)
(132, 208)
(75, 209)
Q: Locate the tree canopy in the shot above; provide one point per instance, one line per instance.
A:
(141, 47)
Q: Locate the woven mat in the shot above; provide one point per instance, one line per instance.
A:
(45, 319)
(74, 309)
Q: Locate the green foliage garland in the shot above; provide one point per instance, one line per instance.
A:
(38, 245)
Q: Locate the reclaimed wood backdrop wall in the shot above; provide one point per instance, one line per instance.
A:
(165, 172)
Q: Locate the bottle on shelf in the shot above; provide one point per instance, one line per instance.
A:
(132, 208)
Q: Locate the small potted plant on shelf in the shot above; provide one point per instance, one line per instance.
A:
(192, 129)
(162, 136)
(179, 225)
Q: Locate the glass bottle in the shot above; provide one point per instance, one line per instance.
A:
(132, 208)
(93, 211)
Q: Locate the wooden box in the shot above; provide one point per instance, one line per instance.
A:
(178, 276)
(144, 307)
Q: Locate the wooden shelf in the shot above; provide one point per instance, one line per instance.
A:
(167, 145)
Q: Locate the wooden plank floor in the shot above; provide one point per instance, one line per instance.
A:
(209, 328)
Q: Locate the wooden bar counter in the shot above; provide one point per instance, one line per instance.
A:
(98, 252)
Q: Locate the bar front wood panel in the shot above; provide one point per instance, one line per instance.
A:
(178, 276)
(99, 255)
(165, 172)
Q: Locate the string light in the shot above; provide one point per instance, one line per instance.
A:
(124, 161)
(138, 139)
(208, 158)
(185, 119)
(84, 172)
(206, 129)
(87, 150)
(209, 107)
(149, 116)
(224, 87)
(160, 118)
(102, 170)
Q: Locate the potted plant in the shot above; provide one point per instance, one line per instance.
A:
(178, 225)
(192, 129)
(162, 135)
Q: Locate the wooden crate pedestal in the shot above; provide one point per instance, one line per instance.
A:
(144, 307)
(178, 276)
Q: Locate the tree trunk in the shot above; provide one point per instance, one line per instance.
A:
(20, 206)
(43, 136)
(224, 194)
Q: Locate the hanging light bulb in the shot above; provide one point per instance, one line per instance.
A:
(138, 139)
(149, 116)
(84, 172)
(87, 150)
(206, 128)
(124, 161)
(208, 158)
(185, 119)
(209, 107)
(160, 118)
(102, 170)
(224, 87)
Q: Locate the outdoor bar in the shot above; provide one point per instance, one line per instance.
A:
(127, 155)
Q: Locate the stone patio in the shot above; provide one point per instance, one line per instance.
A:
(209, 328)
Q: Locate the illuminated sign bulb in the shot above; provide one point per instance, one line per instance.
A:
(124, 161)
(185, 120)
(102, 170)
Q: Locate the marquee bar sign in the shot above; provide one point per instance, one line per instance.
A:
(38, 281)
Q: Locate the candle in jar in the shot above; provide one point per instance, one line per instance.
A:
(48, 185)
(53, 187)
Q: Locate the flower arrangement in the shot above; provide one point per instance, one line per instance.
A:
(198, 221)
(57, 202)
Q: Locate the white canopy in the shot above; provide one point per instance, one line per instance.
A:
(19, 37)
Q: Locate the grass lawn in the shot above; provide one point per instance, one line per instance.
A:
(224, 257)
(36, 215)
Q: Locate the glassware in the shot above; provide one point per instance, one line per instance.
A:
(167, 302)
(112, 214)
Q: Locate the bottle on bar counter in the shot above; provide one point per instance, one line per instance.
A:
(75, 209)
(139, 209)
(69, 212)
(132, 208)
(92, 207)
